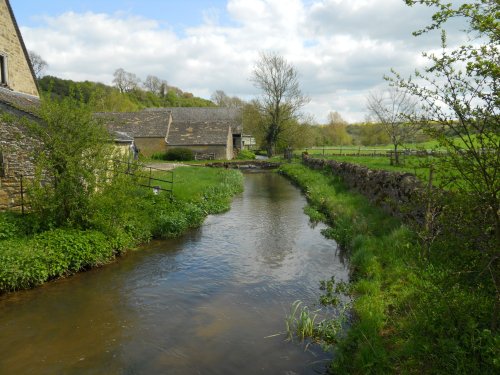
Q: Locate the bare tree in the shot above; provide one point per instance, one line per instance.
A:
(156, 85)
(125, 81)
(38, 63)
(221, 99)
(281, 97)
(394, 108)
(335, 118)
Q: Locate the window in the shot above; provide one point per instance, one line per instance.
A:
(3, 70)
(2, 165)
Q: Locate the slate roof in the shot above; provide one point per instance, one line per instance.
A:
(197, 133)
(202, 125)
(147, 124)
(190, 125)
(19, 101)
(229, 116)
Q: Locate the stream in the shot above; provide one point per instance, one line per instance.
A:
(210, 302)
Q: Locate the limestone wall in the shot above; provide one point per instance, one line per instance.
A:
(219, 151)
(400, 194)
(19, 74)
(17, 150)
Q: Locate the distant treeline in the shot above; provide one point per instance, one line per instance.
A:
(104, 98)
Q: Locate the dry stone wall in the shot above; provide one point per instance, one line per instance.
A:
(17, 151)
(400, 194)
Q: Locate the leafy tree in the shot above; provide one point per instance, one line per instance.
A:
(38, 63)
(71, 162)
(393, 108)
(281, 97)
(336, 130)
(372, 134)
(459, 92)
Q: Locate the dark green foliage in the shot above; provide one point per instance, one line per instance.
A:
(29, 262)
(179, 154)
(11, 226)
(158, 156)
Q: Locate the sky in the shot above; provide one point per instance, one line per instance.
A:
(340, 48)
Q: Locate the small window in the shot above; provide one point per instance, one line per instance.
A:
(2, 165)
(3, 70)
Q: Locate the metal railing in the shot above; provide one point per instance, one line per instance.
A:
(147, 179)
(142, 172)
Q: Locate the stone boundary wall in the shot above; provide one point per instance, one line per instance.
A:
(400, 194)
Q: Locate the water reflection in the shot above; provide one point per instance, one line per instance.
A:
(206, 303)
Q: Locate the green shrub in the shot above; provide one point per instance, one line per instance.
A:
(11, 225)
(179, 154)
(159, 156)
(245, 155)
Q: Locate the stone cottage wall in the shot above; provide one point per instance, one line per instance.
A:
(17, 150)
(20, 77)
(400, 194)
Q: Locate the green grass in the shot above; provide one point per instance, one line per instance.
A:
(412, 314)
(191, 183)
(428, 145)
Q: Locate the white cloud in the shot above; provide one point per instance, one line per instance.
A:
(340, 48)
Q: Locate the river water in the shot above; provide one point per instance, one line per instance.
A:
(211, 302)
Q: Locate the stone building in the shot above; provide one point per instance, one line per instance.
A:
(206, 131)
(19, 100)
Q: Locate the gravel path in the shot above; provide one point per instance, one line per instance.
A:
(165, 166)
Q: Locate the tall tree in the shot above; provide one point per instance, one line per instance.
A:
(394, 108)
(38, 63)
(281, 97)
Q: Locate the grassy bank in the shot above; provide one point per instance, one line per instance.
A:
(411, 314)
(123, 216)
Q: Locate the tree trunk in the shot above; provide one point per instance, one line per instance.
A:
(494, 269)
(269, 149)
